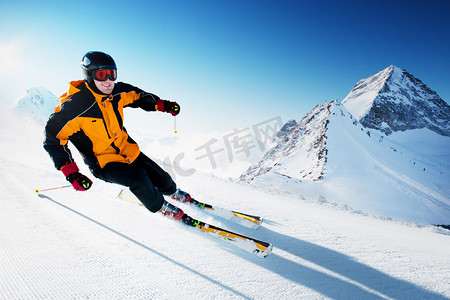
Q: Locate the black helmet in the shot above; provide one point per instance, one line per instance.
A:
(96, 60)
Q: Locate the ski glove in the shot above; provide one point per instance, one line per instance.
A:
(168, 106)
(73, 175)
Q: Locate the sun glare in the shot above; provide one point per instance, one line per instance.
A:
(9, 57)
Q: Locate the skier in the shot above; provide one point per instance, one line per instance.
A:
(90, 116)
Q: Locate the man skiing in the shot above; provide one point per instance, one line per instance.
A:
(90, 116)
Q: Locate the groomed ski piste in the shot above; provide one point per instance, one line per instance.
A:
(64, 244)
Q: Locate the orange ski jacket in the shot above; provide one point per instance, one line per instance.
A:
(93, 123)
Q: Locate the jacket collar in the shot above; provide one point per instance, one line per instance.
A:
(97, 96)
(79, 85)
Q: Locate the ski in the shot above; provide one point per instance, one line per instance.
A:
(243, 219)
(246, 220)
(256, 247)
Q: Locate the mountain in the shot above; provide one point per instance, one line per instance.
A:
(284, 130)
(301, 153)
(38, 103)
(332, 156)
(394, 100)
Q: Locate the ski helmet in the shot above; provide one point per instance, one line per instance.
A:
(93, 61)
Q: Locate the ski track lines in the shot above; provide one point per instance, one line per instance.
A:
(69, 245)
(39, 252)
(435, 199)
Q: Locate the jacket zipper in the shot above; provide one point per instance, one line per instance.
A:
(107, 132)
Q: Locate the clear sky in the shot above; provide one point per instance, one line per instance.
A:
(229, 63)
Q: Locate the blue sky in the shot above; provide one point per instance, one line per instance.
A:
(230, 64)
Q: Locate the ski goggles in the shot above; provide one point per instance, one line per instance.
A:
(103, 75)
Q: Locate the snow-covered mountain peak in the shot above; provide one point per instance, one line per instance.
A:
(38, 103)
(301, 153)
(394, 100)
(360, 99)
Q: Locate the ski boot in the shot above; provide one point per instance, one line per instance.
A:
(181, 196)
(171, 211)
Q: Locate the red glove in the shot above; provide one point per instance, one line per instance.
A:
(73, 175)
(168, 106)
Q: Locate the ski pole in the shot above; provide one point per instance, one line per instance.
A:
(49, 189)
(175, 124)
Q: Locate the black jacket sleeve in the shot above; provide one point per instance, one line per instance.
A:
(60, 154)
(146, 101)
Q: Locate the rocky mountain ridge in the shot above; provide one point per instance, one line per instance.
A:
(391, 100)
(303, 146)
(394, 100)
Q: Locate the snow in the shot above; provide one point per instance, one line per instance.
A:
(64, 244)
(360, 99)
(405, 176)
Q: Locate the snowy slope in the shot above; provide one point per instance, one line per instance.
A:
(389, 180)
(77, 245)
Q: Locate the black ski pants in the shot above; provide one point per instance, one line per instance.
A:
(146, 180)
